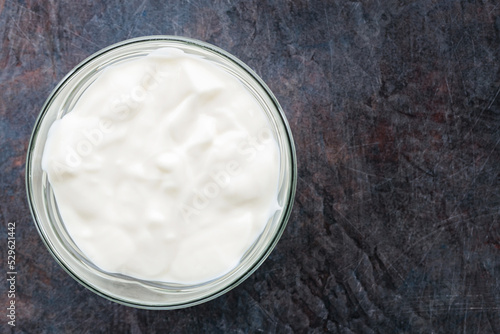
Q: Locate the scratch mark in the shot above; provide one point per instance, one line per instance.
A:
(365, 173)
(267, 314)
(327, 21)
(491, 11)
(82, 37)
(347, 220)
(390, 266)
(473, 181)
(140, 8)
(482, 111)
(268, 31)
(23, 7)
(16, 23)
(473, 51)
(487, 158)
(465, 316)
(448, 88)
(494, 98)
(414, 165)
(136, 16)
(430, 246)
(439, 228)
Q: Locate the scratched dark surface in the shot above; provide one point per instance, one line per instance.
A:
(395, 110)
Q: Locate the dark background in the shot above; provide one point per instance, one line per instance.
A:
(395, 110)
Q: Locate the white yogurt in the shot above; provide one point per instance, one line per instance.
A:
(165, 169)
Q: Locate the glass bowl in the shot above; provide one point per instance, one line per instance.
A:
(128, 290)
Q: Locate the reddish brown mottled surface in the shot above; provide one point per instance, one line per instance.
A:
(395, 109)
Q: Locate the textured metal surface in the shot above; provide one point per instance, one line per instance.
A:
(395, 109)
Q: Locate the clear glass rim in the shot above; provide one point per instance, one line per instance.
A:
(292, 164)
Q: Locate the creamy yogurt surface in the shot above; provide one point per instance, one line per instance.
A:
(165, 169)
